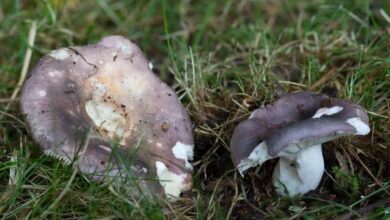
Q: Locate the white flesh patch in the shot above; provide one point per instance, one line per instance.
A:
(361, 127)
(150, 65)
(54, 73)
(184, 152)
(60, 54)
(100, 89)
(172, 183)
(125, 48)
(108, 69)
(327, 111)
(105, 117)
(137, 85)
(258, 156)
(108, 149)
(303, 176)
(42, 93)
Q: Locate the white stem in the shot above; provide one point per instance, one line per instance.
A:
(299, 176)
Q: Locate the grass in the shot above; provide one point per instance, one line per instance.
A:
(224, 59)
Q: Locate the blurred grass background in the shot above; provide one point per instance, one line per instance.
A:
(224, 59)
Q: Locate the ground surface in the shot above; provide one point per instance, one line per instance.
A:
(224, 59)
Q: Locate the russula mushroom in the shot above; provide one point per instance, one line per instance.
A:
(84, 102)
(293, 129)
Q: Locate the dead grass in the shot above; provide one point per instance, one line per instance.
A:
(224, 59)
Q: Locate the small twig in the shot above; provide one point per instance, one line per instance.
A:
(217, 185)
(263, 213)
(172, 210)
(367, 169)
(235, 198)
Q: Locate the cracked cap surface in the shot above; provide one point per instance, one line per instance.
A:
(105, 95)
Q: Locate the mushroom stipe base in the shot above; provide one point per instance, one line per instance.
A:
(293, 129)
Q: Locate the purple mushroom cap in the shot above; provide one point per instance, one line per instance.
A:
(85, 102)
(292, 124)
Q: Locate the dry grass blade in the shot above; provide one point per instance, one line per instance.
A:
(69, 183)
(356, 156)
(327, 76)
(224, 61)
(26, 62)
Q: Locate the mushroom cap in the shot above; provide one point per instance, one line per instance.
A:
(104, 96)
(297, 121)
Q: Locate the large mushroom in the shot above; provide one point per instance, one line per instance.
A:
(83, 103)
(293, 129)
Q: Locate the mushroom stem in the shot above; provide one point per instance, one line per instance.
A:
(293, 129)
(292, 177)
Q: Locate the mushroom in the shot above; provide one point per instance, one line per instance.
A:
(101, 107)
(293, 129)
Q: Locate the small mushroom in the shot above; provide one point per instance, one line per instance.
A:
(293, 129)
(83, 103)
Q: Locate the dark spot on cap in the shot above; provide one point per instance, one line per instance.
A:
(301, 108)
(165, 126)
